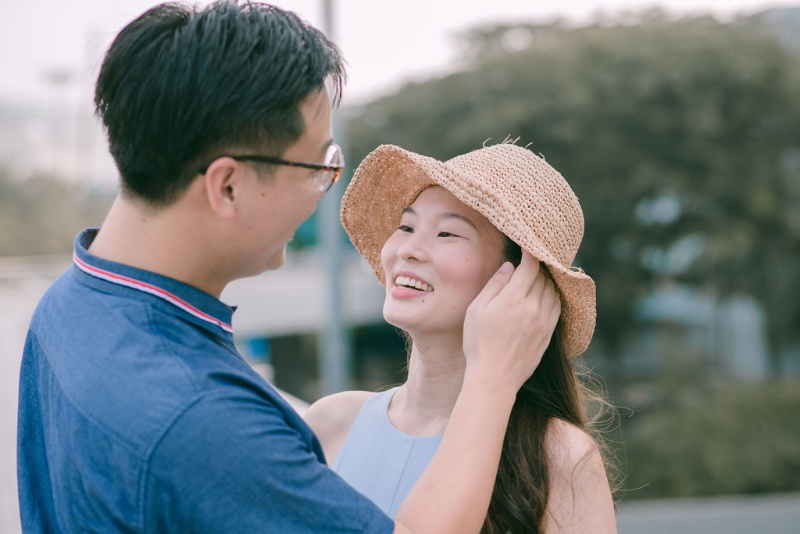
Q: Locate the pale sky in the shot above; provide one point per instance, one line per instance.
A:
(384, 42)
(50, 127)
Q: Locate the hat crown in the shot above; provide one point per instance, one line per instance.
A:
(539, 199)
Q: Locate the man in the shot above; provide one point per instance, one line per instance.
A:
(136, 412)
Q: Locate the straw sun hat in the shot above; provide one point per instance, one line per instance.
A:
(516, 190)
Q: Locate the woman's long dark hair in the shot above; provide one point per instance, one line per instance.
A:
(522, 487)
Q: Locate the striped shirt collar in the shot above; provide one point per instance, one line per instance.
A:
(201, 307)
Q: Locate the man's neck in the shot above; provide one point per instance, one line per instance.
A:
(163, 241)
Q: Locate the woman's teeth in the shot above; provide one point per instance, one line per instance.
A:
(405, 281)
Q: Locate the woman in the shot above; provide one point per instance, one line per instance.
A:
(434, 233)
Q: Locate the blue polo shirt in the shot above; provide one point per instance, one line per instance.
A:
(137, 414)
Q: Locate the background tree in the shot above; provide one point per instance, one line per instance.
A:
(41, 215)
(680, 137)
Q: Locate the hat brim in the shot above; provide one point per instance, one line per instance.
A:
(390, 178)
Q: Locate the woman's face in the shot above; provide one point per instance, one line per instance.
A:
(436, 263)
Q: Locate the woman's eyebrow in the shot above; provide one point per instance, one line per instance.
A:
(457, 216)
(445, 215)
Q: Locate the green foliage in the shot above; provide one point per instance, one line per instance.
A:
(742, 439)
(41, 215)
(701, 112)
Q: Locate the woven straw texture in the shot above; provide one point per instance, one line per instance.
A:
(516, 190)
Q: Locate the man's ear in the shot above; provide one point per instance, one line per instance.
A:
(222, 186)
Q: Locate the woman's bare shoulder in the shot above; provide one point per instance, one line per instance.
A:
(337, 409)
(332, 417)
(580, 495)
(568, 445)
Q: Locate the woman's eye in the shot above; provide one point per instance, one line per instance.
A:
(405, 228)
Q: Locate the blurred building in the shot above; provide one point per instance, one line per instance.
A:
(683, 328)
(59, 139)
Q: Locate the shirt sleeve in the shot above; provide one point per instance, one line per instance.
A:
(231, 462)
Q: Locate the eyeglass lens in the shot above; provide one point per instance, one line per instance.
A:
(333, 158)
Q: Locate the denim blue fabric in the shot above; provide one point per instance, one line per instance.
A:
(137, 414)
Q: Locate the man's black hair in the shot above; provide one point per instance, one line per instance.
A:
(180, 86)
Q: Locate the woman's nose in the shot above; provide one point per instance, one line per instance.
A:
(413, 248)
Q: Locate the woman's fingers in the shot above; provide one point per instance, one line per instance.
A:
(510, 323)
(524, 276)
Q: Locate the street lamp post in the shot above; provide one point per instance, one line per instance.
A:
(334, 344)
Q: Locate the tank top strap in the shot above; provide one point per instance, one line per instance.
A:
(376, 407)
(371, 417)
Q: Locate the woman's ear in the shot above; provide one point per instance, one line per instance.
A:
(222, 185)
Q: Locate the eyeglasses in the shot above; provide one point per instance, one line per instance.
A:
(325, 177)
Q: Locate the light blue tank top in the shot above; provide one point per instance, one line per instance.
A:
(379, 460)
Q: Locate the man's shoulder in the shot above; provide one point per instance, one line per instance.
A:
(125, 369)
(70, 303)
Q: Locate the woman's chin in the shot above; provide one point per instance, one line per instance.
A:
(398, 322)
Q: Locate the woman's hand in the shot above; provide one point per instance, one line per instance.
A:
(509, 324)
